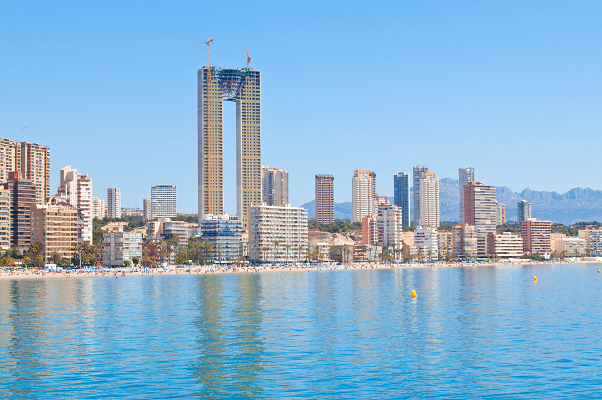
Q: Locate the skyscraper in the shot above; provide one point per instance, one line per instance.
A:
(401, 190)
(242, 86)
(113, 203)
(325, 199)
(22, 193)
(147, 208)
(523, 211)
(418, 174)
(274, 186)
(465, 175)
(76, 190)
(429, 200)
(363, 194)
(501, 213)
(32, 160)
(99, 208)
(480, 207)
(163, 201)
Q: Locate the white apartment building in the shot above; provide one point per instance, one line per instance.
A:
(114, 203)
(427, 242)
(98, 205)
(76, 190)
(571, 246)
(389, 225)
(278, 234)
(163, 201)
(147, 209)
(429, 200)
(363, 194)
(121, 246)
(505, 245)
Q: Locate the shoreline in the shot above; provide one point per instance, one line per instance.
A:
(204, 270)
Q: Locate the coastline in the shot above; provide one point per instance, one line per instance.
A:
(204, 270)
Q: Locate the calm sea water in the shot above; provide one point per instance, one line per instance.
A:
(472, 333)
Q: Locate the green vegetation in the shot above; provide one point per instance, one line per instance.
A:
(573, 230)
(446, 226)
(509, 227)
(338, 226)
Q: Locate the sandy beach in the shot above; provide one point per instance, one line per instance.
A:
(215, 269)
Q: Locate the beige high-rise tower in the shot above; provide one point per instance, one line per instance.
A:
(242, 86)
(32, 160)
(429, 200)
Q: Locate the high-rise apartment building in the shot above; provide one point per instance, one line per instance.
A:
(324, 199)
(22, 193)
(76, 190)
(466, 175)
(501, 213)
(389, 223)
(363, 194)
(147, 208)
(429, 200)
(536, 236)
(163, 201)
(523, 211)
(369, 230)
(418, 174)
(242, 86)
(480, 206)
(99, 208)
(427, 242)
(464, 239)
(224, 233)
(274, 186)
(32, 160)
(4, 219)
(114, 203)
(54, 226)
(401, 195)
(278, 234)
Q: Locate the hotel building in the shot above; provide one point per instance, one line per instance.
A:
(324, 199)
(536, 236)
(54, 226)
(505, 245)
(224, 232)
(429, 200)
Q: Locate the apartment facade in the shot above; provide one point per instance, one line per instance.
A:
(465, 175)
(501, 213)
(427, 242)
(429, 200)
(274, 230)
(593, 240)
(76, 189)
(389, 223)
(163, 201)
(22, 193)
(4, 219)
(121, 246)
(147, 208)
(54, 226)
(98, 205)
(274, 186)
(32, 160)
(363, 194)
(369, 230)
(114, 203)
(464, 239)
(523, 211)
(480, 206)
(536, 236)
(505, 245)
(418, 174)
(571, 247)
(401, 195)
(324, 199)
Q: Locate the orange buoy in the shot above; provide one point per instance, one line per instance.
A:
(413, 294)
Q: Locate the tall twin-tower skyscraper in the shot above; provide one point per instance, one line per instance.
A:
(242, 86)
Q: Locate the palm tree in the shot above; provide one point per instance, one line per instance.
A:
(276, 244)
(287, 246)
(207, 246)
(264, 250)
(34, 248)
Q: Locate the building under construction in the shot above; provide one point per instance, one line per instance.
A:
(242, 86)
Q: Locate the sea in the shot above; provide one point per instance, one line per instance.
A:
(472, 332)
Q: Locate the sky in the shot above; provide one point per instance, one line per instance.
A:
(511, 88)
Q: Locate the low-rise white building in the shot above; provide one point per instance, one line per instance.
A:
(278, 234)
(121, 246)
(505, 245)
(427, 242)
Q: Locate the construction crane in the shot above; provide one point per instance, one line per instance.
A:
(208, 43)
(248, 60)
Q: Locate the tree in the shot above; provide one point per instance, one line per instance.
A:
(287, 246)
(27, 260)
(57, 258)
(135, 260)
(39, 259)
(276, 244)
(207, 246)
(126, 263)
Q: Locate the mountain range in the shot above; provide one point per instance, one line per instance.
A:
(576, 205)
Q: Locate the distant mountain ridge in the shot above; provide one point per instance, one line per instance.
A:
(576, 205)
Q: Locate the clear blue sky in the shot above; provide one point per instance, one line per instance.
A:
(512, 88)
